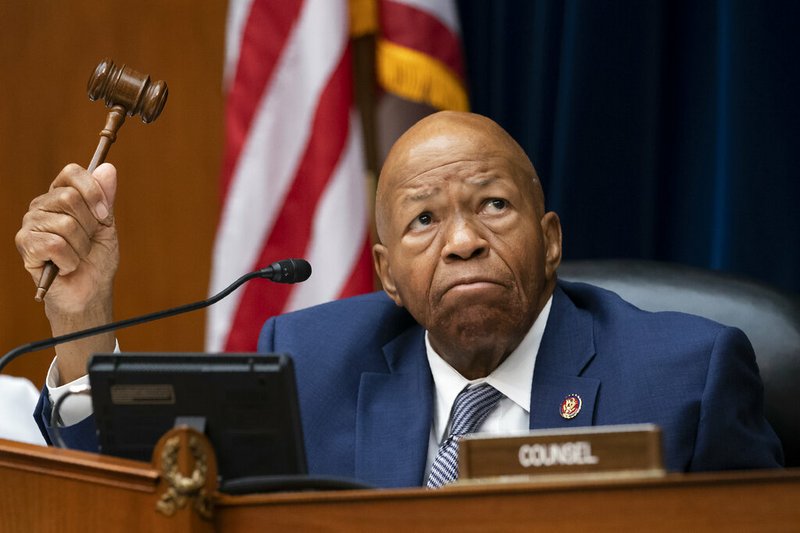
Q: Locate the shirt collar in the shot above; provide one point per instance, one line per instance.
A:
(513, 377)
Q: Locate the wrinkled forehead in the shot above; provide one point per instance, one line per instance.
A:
(447, 139)
(469, 174)
(429, 150)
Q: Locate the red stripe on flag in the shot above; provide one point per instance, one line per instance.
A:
(292, 231)
(264, 37)
(421, 31)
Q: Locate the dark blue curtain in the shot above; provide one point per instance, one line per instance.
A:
(665, 130)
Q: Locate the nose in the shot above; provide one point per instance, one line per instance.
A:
(463, 240)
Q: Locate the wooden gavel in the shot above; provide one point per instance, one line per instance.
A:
(126, 92)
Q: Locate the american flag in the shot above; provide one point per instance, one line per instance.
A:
(293, 179)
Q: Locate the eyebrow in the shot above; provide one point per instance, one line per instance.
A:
(482, 181)
(421, 194)
(424, 192)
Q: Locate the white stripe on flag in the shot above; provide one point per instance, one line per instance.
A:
(234, 28)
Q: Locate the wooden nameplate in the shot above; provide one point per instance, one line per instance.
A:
(599, 451)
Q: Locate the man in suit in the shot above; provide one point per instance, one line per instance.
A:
(468, 258)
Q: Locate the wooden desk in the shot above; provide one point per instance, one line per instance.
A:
(734, 501)
(45, 489)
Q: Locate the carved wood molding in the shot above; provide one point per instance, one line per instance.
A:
(188, 468)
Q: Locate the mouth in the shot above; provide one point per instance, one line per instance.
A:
(472, 284)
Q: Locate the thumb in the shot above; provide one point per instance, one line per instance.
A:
(106, 176)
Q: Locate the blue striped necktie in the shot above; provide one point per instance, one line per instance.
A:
(470, 409)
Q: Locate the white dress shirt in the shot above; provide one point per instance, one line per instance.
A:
(513, 378)
(76, 407)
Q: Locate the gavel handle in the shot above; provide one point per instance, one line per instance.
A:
(114, 120)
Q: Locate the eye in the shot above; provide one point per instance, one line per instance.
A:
(421, 221)
(496, 204)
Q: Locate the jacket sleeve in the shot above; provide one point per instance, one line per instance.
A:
(732, 432)
(80, 436)
(266, 339)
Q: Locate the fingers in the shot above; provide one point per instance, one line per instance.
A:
(60, 225)
(106, 176)
(97, 190)
(55, 237)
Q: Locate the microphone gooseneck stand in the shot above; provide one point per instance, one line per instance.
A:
(286, 271)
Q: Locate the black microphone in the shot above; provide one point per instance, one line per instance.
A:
(286, 271)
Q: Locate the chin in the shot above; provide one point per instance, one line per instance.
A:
(478, 326)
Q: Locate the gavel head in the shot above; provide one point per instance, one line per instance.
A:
(125, 87)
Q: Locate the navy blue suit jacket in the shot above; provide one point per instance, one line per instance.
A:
(366, 390)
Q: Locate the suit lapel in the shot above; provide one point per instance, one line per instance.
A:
(566, 350)
(394, 415)
(394, 411)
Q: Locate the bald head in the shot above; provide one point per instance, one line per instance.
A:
(444, 138)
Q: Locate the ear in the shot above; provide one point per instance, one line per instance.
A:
(380, 258)
(551, 232)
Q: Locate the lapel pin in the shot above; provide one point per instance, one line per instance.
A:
(571, 406)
